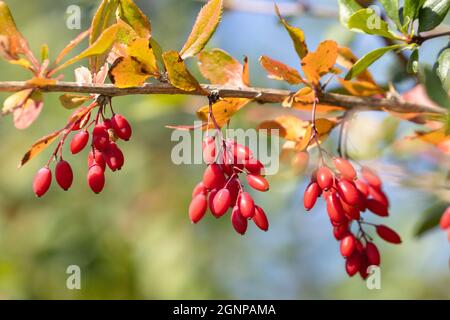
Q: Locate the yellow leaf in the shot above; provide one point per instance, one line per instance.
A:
(141, 50)
(318, 63)
(323, 128)
(279, 71)
(15, 101)
(435, 137)
(207, 21)
(24, 116)
(127, 72)
(304, 99)
(219, 67)
(17, 43)
(38, 147)
(297, 35)
(21, 62)
(179, 75)
(131, 14)
(223, 110)
(71, 101)
(289, 127)
(360, 88)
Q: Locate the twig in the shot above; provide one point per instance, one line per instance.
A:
(261, 95)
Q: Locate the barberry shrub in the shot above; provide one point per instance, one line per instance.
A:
(124, 50)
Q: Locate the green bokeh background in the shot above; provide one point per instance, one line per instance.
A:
(135, 240)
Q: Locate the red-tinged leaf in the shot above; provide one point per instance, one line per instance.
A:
(289, 127)
(104, 17)
(317, 64)
(223, 110)
(219, 67)
(304, 99)
(17, 43)
(131, 14)
(297, 35)
(179, 75)
(16, 100)
(279, 71)
(29, 111)
(38, 147)
(72, 45)
(206, 24)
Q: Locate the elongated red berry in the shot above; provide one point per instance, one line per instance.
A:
(353, 264)
(238, 221)
(372, 254)
(310, 196)
(197, 208)
(379, 195)
(348, 245)
(64, 174)
(240, 152)
(213, 177)
(254, 166)
(260, 219)
(363, 272)
(199, 189)
(325, 178)
(445, 219)
(345, 168)
(371, 177)
(377, 207)
(234, 186)
(246, 205)
(42, 181)
(100, 137)
(334, 208)
(300, 162)
(121, 127)
(388, 234)
(211, 196)
(351, 212)
(80, 123)
(209, 150)
(362, 187)
(114, 157)
(257, 182)
(79, 141)
(221, 202)
(348, 192)
(96, 178)
(96, 157)
(340, 231)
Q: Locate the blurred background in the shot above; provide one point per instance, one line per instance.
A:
(135, 241)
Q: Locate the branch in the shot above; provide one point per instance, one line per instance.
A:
(261, 95)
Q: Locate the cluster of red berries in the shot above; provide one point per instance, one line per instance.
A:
(104, 152)
(347, 196)
(221, 188)
(445, 222)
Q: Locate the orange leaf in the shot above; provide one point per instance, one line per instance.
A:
(38, 147)
(290, 127)
(317, 64)
(223, 110)
(179, 75)
(438, 138)
(360, 88)
(279, 71)
(219, 67)
(304, 99)
(246, 73)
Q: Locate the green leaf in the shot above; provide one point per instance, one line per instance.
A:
(363, 63)
(367, 21)
(179, 75)
(131, 14)
(346, 9)
(44, 52)
(413, 62)
(158, 52)
(433, 86)
(443, 68)
(103, 19)
(430, 219)
(391, 8)
(432, 13)
(411, 9)
(72, 101)
(206, 24)
(296, 34)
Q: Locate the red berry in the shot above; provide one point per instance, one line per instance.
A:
(340, 231)
(377, 207)
(371, 177)
(100, 137)
(254, 166)
(96, 178)
(372, 254)
(300, 162)
(64, 174)
(238, 221)
(234, 186)
(388, 234)
(345, 168)
(42, 181)
(212, 194)
(348, 192)
(362, 187)
(240, 152)
(199, 189)
(246, 205)
(213, 177)
(80, 123)
(445, 219)
(334, 208)
(348, 245)
(260, 219)
(312, 192)
(353, 264)
(364, 265)
(351, 212)
(379, 195)
(197, 208)
(121, 127)
(114, 157)
(79, 141)
(325, 178)
(221, 202)
(257, 182)
(96, 157)
(209, 150)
